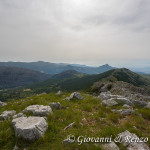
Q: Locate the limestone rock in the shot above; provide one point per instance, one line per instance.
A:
(124, 136)
(148, 105)
(126, 111)
(117, 98)
(39, 110)
(29, 128)
(139, 103)
(110, 146)
(59, 92)
(2, 104)
(124, 100)
(104, 96)
(55, 105)
(19, 115)
(7, 114)
(134, 145)
(126, 106)
(109, 102)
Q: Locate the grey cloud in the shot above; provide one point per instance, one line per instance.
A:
(74, 30)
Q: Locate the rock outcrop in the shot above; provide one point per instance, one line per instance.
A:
(6, 115)
(39, 110)
(76, 95)
(104, 96)
(29, 128)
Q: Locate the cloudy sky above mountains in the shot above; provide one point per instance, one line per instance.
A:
(91, 32)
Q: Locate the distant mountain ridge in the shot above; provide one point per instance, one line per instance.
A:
(11, 77)
(55, 68)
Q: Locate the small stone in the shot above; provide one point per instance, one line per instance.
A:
(139, 103)
(126, 106)
(55, 105)
(126, 111)
(67, 99)
(76, 95)
(16, 147)
(59, 92)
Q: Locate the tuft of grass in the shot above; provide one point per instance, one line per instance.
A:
(101, 114)
(145, 113)
(113, 117)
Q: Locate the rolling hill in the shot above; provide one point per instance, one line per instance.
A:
(73, 81)
(55, 68)
(85, 82)
(11, 77)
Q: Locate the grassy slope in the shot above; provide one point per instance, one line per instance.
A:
(101, 122)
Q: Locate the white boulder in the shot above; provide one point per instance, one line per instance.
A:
(29, 128)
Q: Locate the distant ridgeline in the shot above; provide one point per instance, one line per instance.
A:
(55, 68)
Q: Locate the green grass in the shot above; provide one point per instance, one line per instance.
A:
(100, 122)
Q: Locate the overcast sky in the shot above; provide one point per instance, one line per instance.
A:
(91, 32)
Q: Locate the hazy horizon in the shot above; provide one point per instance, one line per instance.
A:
(133, 66)
(84, 32)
